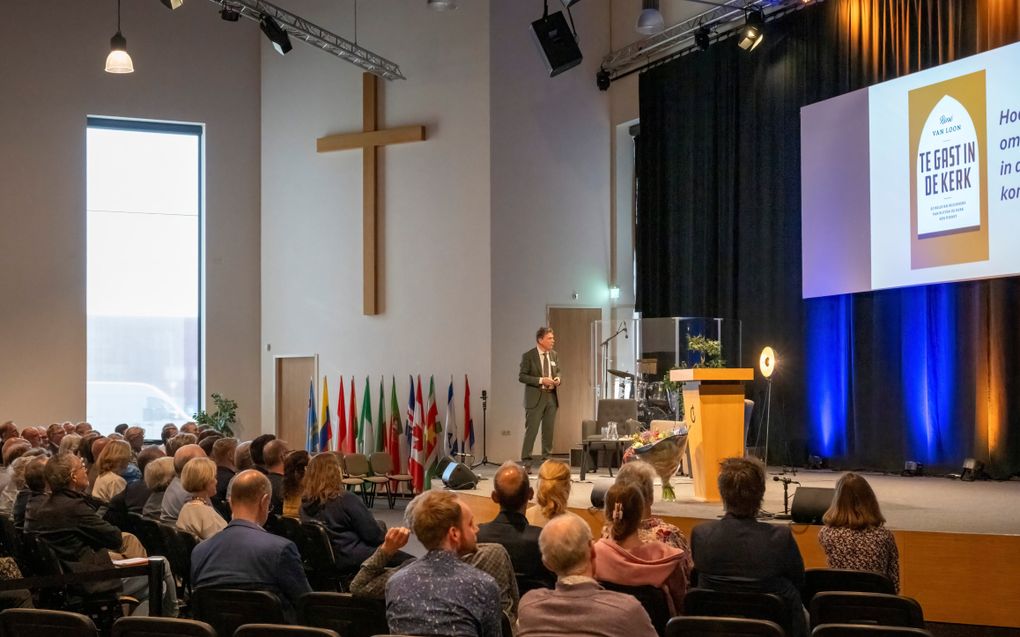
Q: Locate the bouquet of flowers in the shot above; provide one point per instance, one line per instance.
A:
(663, 450)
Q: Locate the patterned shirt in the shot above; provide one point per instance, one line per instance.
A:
(438, 594)
(871, 549)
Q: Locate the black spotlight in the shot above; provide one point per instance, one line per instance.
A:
(703, 38)
(973, 470)
(602, 80)
(275, 33)
(753, 32)
(230, 14)
(912, 468)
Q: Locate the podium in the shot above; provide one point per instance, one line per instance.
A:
(714, 414)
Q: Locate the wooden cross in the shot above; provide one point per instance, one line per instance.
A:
(370, 139)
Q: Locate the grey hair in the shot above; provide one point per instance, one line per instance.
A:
(640, 474)
(159, 473)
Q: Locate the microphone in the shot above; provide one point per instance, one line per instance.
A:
(623, 326)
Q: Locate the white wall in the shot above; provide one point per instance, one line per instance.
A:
(435, 203)
(190, 66)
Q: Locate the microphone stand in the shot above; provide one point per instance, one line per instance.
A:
(485, 435)
(604, 346)
(785, 515)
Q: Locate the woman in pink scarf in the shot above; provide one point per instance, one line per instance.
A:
(624, 558)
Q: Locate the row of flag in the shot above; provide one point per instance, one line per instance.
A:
(414, 440)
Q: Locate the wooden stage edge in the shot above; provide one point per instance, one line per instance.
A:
(959, 578)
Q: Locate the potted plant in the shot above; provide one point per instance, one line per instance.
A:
(223, 418)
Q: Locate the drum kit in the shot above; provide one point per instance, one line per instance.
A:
(654, 400)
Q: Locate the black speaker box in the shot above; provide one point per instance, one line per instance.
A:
(557, 43)
(457, 475)
(810, 504)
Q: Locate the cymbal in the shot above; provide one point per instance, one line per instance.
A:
(621, 374)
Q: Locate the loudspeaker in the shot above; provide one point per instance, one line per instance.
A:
(457, 475)
(556, 42)
(810, 504)
(599, 490)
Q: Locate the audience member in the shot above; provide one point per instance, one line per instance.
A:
(223, 452)
(641, 474)
(511, 491)
(54, 434)
(16, 490)
(135, 436)
(176, 495)
(82, 428)
(97, 448)
(33, 436)
(134, 496)
(198, 516)
(242, 457)
(246, 555)
(70, 443)
(273, 454)
(8, 430)
(439, 594)
(169, 431)
(190, 428)
(740, 553)
(578, 605)
(13, 449)
(158, 475)
(258, 446)
(553, 492)
(121, 428)
(206, 442)
(34, 492)
(180, 440)
(624, 558)
(294, 466)
(854, 536)
(112, 462)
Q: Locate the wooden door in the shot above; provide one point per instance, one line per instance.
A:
(293, 374)
(572, 326)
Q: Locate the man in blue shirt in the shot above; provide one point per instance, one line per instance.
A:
(439, 594)
(244, 555)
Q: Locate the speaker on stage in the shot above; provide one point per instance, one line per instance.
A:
(557, 43)
(457, 475)
(810, 504)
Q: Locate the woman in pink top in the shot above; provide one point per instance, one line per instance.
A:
(624, 558)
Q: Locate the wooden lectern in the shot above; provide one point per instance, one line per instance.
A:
(714, 406)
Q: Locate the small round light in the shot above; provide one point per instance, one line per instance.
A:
(767, 362)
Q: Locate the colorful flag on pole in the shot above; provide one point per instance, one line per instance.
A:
(326, 428)
(432, 432)
(451, 447)
(365, 435)
(408, 444)
(341, 419)
(352, 427)
(312, 443)
(379, 443)
(418, 442)
(394, 429)
(469, 425)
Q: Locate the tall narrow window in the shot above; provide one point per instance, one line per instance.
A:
(144, 203)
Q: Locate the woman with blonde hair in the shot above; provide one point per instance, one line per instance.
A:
(112, 462)
(553, 492)
(198, 516)
(854, 536)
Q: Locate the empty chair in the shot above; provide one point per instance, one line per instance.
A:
(862, 630)
(689, 626)
(28, 622)
(865, 608)
(382, 474)
(817, 580)
(225, 609)
(356, 469)
(709, 603)
(161, 627)
(652, 598)
(347, 615)
(270, 630)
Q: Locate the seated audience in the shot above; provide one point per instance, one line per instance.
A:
(34, 492)
(257, 449)
(739, 553)
(168, 432)
(854, 536)
(273, 454)
(244, 555)
(198, 516)
(134, 496)
(223, 451)
(553, 492)
(13, 449)
(33, 436)
(113, 461)
(135, 436)
(54, 434)
(180, 440)
(294, 466)
(642, 475)
(242, 457)
(624, 558)
(439, 594)
(176, 495)
(159, 473)
(511, 491)
(578, 605)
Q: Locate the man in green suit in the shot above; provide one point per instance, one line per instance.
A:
(540, 373)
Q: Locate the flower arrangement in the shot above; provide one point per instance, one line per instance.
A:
(663, 450)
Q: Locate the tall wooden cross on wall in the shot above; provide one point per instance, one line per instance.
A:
(370, 140)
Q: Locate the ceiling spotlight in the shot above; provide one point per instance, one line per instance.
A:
(703, 38)
(118, 61)
(753, 32)
(230, 14)
(442, 5)
(275, 33)
(650, 20)
(172, 4)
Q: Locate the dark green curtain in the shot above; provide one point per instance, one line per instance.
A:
(929, 373)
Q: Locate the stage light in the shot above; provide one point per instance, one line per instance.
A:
(118, 61)
(703, 38)
(614, 293)
(973, 470)
(230, 14)
(442, 5)
(275, 33)
(650, 20)
(767, 362)
(912, 468)
(753, 32)
(172, 4)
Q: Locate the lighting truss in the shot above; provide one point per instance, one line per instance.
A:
(298, 27)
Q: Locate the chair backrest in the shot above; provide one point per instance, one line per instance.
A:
(148, 533)
(161, 627)
(356, 464)
(862, 630)
(708, 603)
(381, 463)
(270, 630)
(689, 626)
(178, 545)
(617, 410)
(228, 608)
(347, 615)
(817, 580)
(30, 622)
(842, 607)
(289, 528)
(652, 599)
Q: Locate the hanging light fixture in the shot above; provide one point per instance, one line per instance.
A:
(275, 33)
(442, 5)
(118, 61)
(650, 20)
(753, 32)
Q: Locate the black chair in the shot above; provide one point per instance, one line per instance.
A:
(689, 626)
(289, 528)
(178, 546)
(10, 538)
(652, 599)
(148, 533)
(161, 627)
(866, 608)
(861, 630)
(28, 622)
(268, 630)
(225, 609)
(817, 580)
(349, 616)
(506, 627)
(320, 561)
(708, 603)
